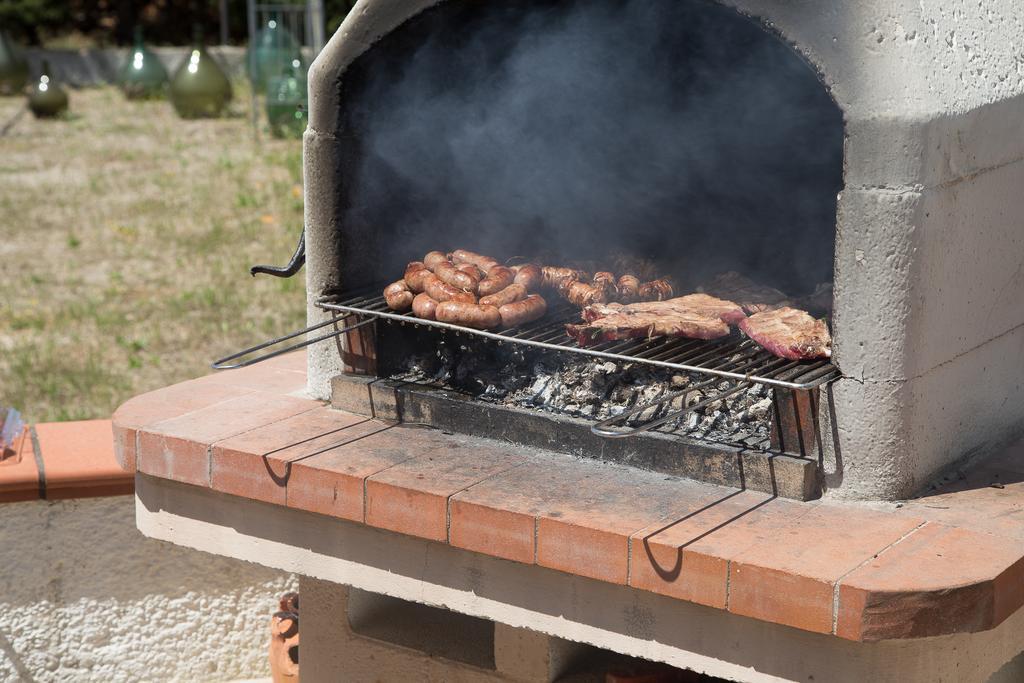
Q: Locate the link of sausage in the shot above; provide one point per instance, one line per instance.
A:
(415, 273)
(554, 275)
(440, 290)
(398, 296)
(511, 293)
(433, 258)
(519, 313)
(471, 269)
(581, 293)
(529, 275)
(447, 271)
(656, 290)
(424, 307)
(484, 263)
(498, 278)
(628, 287)
(605, 281)
(469, 315)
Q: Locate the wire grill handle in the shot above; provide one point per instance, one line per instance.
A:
(225, 363)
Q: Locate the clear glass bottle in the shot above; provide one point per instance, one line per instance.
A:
(47, 98)
(200, 88)
(287, 100)
(270, 53)
(143, 76)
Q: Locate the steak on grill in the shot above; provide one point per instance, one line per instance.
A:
(752, 296)
(641, 324)
(789, 333)
(727, 311)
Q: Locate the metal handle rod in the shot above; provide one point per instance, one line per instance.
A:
(223, 363)
(601, 428)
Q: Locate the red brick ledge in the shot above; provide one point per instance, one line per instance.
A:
(858, 573)
(59, 460)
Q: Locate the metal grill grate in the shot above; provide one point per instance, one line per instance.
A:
(734, 357)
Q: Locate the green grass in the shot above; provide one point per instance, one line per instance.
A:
(126, 236)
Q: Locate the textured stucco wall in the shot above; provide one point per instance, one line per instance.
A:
(85, 596)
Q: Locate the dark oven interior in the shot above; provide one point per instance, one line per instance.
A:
(678, 135)
(676, 131)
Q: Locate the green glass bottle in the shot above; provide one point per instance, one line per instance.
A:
(287, 101)
(47, 98)
(13, 67)
(270, 53)
(200, 88)
(142, 76)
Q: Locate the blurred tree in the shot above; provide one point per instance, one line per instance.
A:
(336, 11)
(25, 20)
(165, 22)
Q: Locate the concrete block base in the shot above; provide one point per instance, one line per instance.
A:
(352, 635)
(572, 608)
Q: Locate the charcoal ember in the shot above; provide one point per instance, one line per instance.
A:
(494, 392)
(758, 411)
(597, 390)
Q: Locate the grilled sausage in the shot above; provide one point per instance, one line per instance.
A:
(398, 296)
(554, 275)
(447, 271)
(606, 282)
(484, 263)
(521, 312)
(440, 290)
(424, 307)
(656, 290)
(582, 294)
(433, 258)
(628, 287)
(471, 269)
(529, 275)
(415, 274)
(498, 278)
(511, 293)
(468, 315)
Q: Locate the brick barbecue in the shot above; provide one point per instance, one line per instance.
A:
(700, 503)
(927, 256)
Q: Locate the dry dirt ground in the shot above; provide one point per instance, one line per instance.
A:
(125, 240)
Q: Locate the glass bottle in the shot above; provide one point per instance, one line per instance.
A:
(287, 101)
(200, 88)
(13, 67)
(270, 53)
(142, 76)
(46, 97)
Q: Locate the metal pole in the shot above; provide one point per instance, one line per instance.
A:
(223, 22)
(250, 7)
(315, 12)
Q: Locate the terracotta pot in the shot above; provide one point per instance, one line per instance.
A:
(284, 641)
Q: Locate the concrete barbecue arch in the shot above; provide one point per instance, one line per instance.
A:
(929, 284)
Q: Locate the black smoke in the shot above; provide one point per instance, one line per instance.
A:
(678, 130)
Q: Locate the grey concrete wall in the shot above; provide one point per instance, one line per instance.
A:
(84, 596)
(929, 265)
